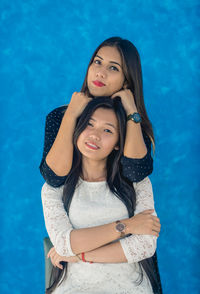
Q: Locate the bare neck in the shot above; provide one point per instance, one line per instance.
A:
(93, 171)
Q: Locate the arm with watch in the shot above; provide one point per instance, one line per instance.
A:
(142, 242)
(138, 233)
(136, 161)
(134, 147)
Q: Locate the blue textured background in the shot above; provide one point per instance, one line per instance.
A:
(45, 49)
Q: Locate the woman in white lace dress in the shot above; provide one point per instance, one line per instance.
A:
(102, 227)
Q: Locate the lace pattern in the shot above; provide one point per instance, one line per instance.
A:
(94, 204)
(139, 247)
(56, 220)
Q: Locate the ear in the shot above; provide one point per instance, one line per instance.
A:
(125, 85)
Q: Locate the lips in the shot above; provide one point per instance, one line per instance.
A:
(98, 83)
(92, 146)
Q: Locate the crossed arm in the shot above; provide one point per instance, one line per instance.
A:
(96, 241)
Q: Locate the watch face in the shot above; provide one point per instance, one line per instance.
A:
(120, 227)
(136, 117)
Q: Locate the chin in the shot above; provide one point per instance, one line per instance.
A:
(97, 92)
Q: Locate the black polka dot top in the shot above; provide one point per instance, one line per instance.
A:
(133, 169)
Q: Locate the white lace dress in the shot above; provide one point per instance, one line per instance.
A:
(94, 204)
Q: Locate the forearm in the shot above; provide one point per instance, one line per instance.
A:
(60, 156)
(84, 240)
(66, 239)
(111, 253)
(134, 144)
(135, 247)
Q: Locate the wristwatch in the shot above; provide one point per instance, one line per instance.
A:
(134, 117)
(120, 227)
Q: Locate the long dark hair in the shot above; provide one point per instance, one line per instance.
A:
(116, 182)
(120, 186)
(132, 70)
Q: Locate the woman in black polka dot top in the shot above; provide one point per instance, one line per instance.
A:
(114, 70)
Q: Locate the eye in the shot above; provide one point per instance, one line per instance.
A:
(114, 68)
(97, 61)
(108, 131)
(90, 124)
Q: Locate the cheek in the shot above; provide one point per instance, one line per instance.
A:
(121, 80)
(78, 143)
(80, 139)
(90, 72)
(117, 83)
(111, 143)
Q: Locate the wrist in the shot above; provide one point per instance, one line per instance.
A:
(122, 227)
(127, 223)
(85, 258)
(78, 257)
(72, 113)
(131, 110)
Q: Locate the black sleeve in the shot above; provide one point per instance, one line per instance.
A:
(135, 170)
(52, 125)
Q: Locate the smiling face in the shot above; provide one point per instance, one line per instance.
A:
(100, 136)
(105, 75)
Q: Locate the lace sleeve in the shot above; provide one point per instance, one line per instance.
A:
(56, 219)
(139, 247)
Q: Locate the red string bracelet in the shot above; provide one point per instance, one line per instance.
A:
(83, 258)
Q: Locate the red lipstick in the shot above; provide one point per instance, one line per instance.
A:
(98, 83)
(92, 146)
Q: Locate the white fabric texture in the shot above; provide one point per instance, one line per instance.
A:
(94, 204)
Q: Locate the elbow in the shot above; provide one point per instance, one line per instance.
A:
(50, 177)
(151, 246)
(142, 154)
(41, 168)
(144, 248)
(61, 251)
(62, 244)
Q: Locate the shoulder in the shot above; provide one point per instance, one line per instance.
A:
(57, 114)
(48, 191)
(143, 185)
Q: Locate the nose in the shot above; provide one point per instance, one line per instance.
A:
(101, 73)
(95, 136)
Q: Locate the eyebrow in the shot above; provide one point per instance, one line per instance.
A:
(110, 61)
(105, 123)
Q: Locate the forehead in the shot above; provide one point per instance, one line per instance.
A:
(105, 115)
(110, 54)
